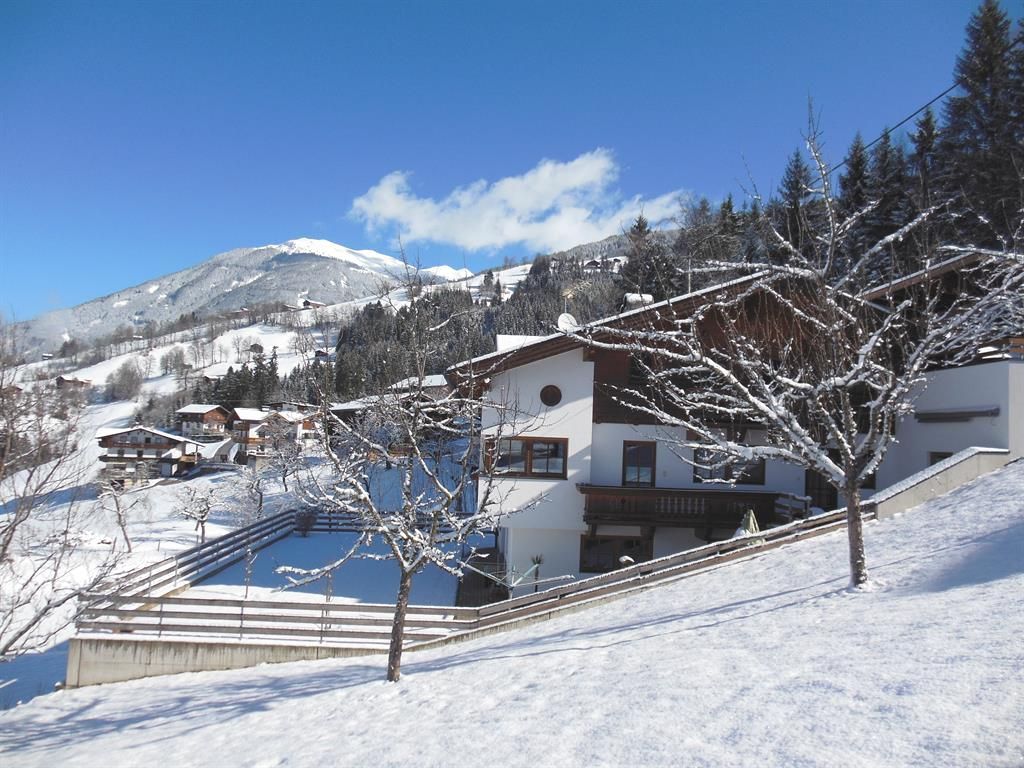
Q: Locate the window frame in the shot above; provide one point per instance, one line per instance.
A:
(528, 443)
(653, 445)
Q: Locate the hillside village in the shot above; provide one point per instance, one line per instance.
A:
(706, 490)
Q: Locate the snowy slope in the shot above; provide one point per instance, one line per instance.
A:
(772, 661)
(288, 272)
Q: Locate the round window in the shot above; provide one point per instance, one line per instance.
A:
(550, 395)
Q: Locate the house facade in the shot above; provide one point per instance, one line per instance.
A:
(136, 455)
(245, 424)
(588, 488)
(200, 420)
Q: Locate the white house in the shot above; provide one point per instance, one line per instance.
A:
(586, 485)
(203, 419)
(135, 455)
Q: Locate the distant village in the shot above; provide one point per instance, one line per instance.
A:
(212, 437)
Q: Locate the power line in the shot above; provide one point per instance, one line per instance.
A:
(888, 131)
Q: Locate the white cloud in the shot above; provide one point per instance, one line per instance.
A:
(550, 207)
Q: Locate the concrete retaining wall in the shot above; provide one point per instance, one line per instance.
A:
(94, 660)
(943, 480)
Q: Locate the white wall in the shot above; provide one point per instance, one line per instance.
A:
(671, 468)
(999, 383)
(546, 503)
(560, 550)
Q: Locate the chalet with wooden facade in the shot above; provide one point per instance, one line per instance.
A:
(201, 420)
(245, 423)
(590, 482)
(135, 455)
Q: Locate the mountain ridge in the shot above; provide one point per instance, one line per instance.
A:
(286, 272)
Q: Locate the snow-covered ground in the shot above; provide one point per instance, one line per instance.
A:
(771, 661)
(360, 580)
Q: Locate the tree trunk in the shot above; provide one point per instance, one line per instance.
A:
(855, 535)
(398, 628)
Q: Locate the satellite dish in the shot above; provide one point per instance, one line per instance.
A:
(567, 323)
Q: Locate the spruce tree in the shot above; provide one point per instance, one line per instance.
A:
(981, 150)
(794, 196)
(886, 189)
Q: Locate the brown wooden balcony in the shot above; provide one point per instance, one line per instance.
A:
(680, 507)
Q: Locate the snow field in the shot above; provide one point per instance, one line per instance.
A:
(769, 661)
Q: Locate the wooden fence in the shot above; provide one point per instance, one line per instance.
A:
(145, 604)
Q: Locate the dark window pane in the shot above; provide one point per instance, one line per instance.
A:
(511, 456)
(548, 458)
(638, 464)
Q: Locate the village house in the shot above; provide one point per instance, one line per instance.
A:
(135, 455)
(591, 483)
(280, 431)
(203, 420)
(245, 424)
(71, 383)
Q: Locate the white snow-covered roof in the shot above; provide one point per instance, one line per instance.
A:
(414, 382)
(101, 433)
(507, 341)
(251, 414)
(293, 416)
(210, 450)
(199, 408)
(356, 405)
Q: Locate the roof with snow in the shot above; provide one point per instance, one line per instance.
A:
(540, 347)
(101, 433)
(293, 416)
(415, 382)
(250, 414)
(200, 408)
(928, 273)
(212, 450)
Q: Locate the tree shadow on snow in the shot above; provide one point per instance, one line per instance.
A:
(993, 556)
(189, 697)
(673, 624)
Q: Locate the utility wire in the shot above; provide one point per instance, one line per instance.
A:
(888, 131)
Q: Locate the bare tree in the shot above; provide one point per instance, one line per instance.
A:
(112, 495)
(195, 503)
(49, 554)
(406, 471)
(285, 451)
(799, 361)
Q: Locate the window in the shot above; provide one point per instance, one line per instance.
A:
(600, 554)
(138, 454)
(708, 467)
(638, 463)
(530, 456)
(934, 457)
(550, 395)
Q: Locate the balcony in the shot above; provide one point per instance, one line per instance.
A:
(685, 507)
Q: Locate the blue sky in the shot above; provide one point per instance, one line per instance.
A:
(138, 138)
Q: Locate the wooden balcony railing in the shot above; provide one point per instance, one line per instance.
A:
(678, 507)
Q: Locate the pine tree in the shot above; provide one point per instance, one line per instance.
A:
(794, 196)
(921, 176)
(886, 185)
(650, 269)
(981, 150)
(854, 197)
(853, 182)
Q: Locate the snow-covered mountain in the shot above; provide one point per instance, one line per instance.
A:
(288, 272)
